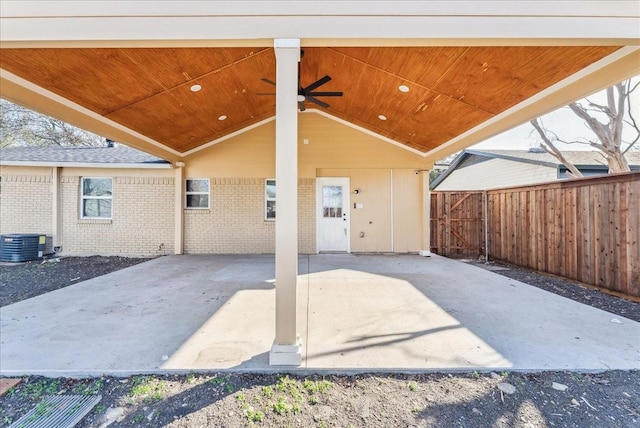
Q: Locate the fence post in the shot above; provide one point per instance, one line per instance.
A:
(486, 227)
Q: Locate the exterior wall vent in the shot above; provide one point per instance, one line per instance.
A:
(24, 247)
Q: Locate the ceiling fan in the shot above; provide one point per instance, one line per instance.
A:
(307, 93)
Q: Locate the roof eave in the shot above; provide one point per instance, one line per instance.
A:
(89, 165)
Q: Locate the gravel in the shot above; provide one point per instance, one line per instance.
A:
(506, 399)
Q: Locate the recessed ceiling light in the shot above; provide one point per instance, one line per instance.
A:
(403, 88)
(196, 88)
(382, 117)
(223, 117)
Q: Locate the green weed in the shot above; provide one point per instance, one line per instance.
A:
(254, 415)
(42, 408)
(36, 389)
(281, 407)
(267, 391)
(147, 389)
(89, 389)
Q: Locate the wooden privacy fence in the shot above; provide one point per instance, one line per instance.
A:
(585, 229)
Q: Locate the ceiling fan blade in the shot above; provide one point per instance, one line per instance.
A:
(325, 94)
(301, 105)
(317, 101)
(317, 84)
(268, 81)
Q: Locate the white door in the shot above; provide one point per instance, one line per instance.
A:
(332, 208)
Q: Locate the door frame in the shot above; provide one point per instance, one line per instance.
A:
(346, 183)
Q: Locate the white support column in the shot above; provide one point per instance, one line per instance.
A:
(56, 209)
(178, 238)
(426, 214)
(286, 349)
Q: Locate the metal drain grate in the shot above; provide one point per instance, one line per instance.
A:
(58, 411)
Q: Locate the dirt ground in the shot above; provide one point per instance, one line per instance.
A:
(22, 281)
(610, 399)
(506, 399)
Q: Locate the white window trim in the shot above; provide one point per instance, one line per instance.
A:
(83, 197)
(266, 199)
(187, 193)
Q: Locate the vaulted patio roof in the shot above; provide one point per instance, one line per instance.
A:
(450, 89)
(132, 84)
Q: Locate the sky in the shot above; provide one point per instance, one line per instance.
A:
(562, 121)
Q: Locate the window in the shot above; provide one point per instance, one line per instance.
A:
(197, 193)
(332, 201)
(270, 199)
(97, 195)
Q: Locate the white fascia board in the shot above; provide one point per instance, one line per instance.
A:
(89, 165)
(97, 8)
(189, 21)
(367, 31)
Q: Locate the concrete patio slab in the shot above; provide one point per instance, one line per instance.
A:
(356, 313)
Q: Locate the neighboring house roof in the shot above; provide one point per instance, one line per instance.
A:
(576, 157)
(581, 159)
(118, 155)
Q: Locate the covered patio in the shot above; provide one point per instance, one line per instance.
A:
(357, 313)
(175, 78)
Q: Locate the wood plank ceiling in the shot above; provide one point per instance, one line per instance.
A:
(451, 89)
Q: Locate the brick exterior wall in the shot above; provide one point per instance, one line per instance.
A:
(307, 215)
(143, 216)
(25, 204)
(142, 223)
(235, 222)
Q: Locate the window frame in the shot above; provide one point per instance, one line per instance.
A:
(187, 193)
(268, 199)
(84, 197)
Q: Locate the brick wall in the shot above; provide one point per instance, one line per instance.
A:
(235, 222)
(25, 204)
(143, 216)
(307, 215)
(142, 223)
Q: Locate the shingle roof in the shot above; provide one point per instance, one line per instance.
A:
(96, 155)
(575, 157)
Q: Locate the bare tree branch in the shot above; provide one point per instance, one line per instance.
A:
(632, 120)
(550, 148)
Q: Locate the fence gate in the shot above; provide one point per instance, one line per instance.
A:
(457, 224)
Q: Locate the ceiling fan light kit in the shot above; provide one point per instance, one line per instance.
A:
(308, 93)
